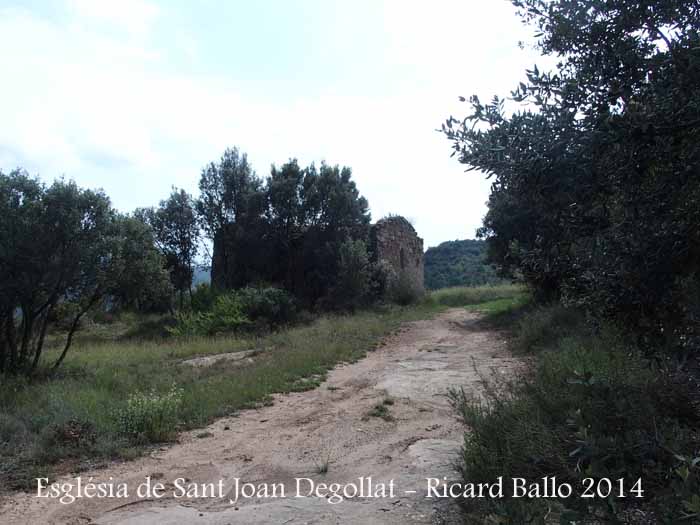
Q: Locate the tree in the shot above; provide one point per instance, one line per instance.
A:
(230, 193)
(144, 283)
(311, 212)
(286, 221)
(53, 247)
(595, 192)
(176, 233)
(298, 218)
(58, 243)
(230, 210)
(334, 212)
(458, 263)
(354, 275)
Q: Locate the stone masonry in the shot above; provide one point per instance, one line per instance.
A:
(395, 241)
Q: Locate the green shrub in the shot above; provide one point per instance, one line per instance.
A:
(403, 291)
(191, 324)
(12, 429)
(150, 416)
(249, 308)
(354, 276)
(203, 297)
(593, 407)
(227, 315)
(546, 325)
(267, 307)
(64, 313)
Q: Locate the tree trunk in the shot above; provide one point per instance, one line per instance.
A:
(27, 329)
(69, 340)
(73, 328)
(40, 343)
(11, 341)
(3, 342)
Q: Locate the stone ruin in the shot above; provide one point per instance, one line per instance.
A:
(394, 241)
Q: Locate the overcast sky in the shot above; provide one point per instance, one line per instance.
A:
(136, 96)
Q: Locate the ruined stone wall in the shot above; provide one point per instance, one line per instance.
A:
(395, 241)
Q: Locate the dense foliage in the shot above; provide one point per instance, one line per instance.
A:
(64, 251)
(251, 309)
(458, 263)
(592, 408)
(297, 217)
(62, 244)
(595, 202)
(596, 187)
(176, 232)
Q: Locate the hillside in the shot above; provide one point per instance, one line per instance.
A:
(458, 263)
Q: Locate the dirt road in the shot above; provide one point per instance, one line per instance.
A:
(303, 432)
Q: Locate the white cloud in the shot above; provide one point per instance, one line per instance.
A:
(89, 96)
(133, 16)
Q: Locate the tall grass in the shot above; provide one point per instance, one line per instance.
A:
(592, 407)
(116, 393)
(111, 398)
(464, 295)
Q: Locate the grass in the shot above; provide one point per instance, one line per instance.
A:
(123, 386)
(381, 410)
(115, 395)
(592, 406)
(466, 296)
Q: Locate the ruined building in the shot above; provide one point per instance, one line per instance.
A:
(392, 241)
(395, 241)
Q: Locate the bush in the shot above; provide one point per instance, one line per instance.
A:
(267, 307)
(381, 275)
(225, 316)
(12, 429)
(403, 291)
(354, 275)
(191, 324)
(64, 313)
(73, 434)
(203, 297)
(546, 325)
(256, 309)
(151, 417)
(593, 408)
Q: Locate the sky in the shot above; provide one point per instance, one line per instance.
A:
(137, 96)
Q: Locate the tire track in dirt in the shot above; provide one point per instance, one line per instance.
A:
(302, 431)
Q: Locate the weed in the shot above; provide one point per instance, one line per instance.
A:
(150, 417)
(381, 411)
(102, 374)
(592, 407)
(325, 451)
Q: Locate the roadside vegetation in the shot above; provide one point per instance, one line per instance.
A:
(465, 296)
(594, 167)
(127, 385)
(115, 395)
(592, 406)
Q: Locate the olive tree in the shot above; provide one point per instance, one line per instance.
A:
(58, 243)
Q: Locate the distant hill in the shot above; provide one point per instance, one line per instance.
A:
(458, 263)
